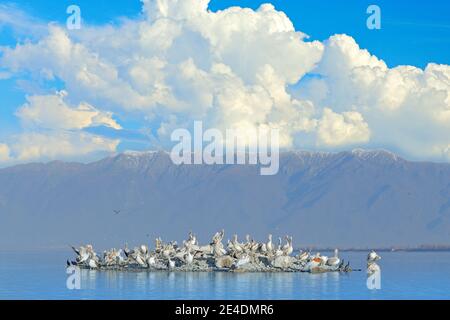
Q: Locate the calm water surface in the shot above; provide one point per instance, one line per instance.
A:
(412, 275)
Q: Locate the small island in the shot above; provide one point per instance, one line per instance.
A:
(248, 256)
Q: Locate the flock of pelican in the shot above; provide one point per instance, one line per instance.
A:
(248, 256)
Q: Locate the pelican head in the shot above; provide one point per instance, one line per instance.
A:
(373, 256)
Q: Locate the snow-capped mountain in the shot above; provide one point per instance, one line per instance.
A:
(358, 198)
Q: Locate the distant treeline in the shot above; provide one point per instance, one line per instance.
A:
(423, 247)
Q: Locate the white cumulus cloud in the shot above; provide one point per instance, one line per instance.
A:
(4, 153)
(235, 68)
(342, 129)
(52, 112)
(31, 146)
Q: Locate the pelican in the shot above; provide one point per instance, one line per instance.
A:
(218, 237)
(324, 260)
(151, 261)
(171, 264)
(189, 258)
(140, 259)
(373, 256)
(236, 245)
(144, 249)
(334, 261)
(314, 262)
(82, 254)
(158, 244)
(372, 268)
(192, 238)
(217, 248)
(92, 264)
(126, 251)
(254, 246)
(269, 245)
(347, 267)
(287, 248)
(263, 248)
(304, 256)
(242, 261)
(279, 251)
(119, 257)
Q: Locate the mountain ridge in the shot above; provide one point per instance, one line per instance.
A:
(354, 198)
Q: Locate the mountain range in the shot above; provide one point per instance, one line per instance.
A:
(348, 199)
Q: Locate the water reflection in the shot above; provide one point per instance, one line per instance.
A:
(89, 279)
(219, 285)
(405, 276)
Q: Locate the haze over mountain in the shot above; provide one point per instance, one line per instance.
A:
(354, 199)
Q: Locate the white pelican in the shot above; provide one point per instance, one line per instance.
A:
(119, 257)
(189, 258)
(218, 236)
(287, 248)
(254, 246)
(372, 268)
(279, 251)
(324, 260)
(314, 262)
(263, 248)
(229, 245)
(373, 256)
(269, 245)
(236, 245)
(218, 250)
(82, 254)
(334, 261)
(151, 261)
(192, 239)
(144, 249)
(242, 261)
(167, 251)
(158, 244)
(140, 260)
(171, 264)
(304, 256)
(92, 264)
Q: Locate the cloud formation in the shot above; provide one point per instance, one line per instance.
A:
(236, 68)
(52, 112)
(4, 153)
(30, 146)
(341, 129)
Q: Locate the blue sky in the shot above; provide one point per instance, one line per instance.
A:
(413, 33)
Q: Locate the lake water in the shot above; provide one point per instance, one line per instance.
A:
(405, 275)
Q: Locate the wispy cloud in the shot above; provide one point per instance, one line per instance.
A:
(20, 21)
